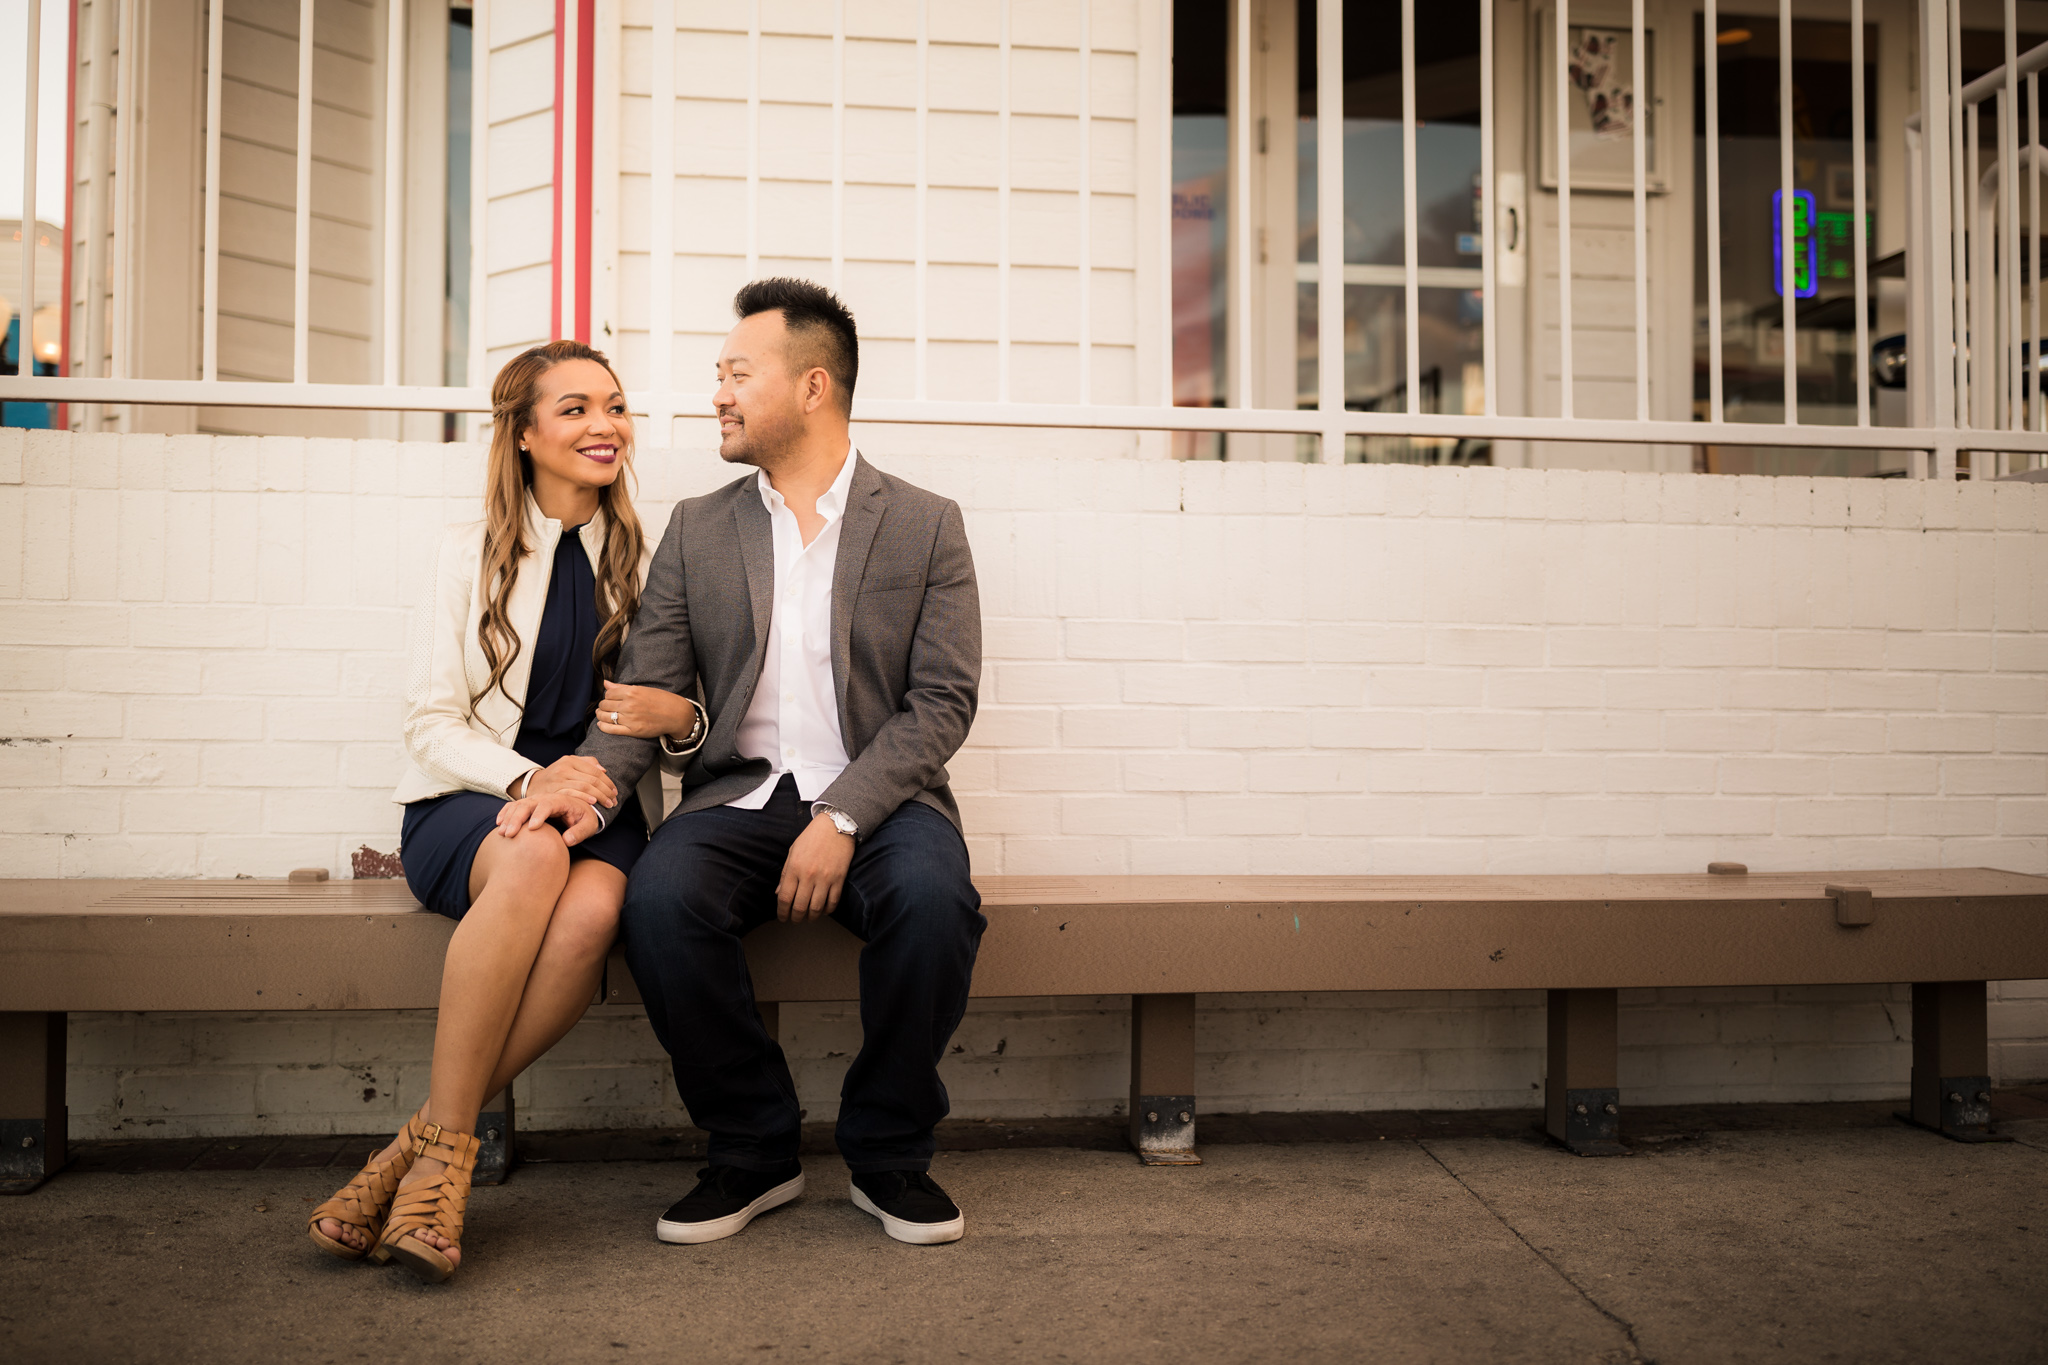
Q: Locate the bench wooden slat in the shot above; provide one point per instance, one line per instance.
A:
(249, 945)
(348, 945)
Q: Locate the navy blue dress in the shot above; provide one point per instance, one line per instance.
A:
(442, 834)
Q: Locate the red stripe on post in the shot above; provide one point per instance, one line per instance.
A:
(586, 104)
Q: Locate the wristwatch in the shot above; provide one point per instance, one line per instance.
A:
(841, 821)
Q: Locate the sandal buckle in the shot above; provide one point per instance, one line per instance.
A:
(429, 1135)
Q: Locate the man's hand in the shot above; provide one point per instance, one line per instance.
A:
(574, 775)
(572, 813)
(814, 874)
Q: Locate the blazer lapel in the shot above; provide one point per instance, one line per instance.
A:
(757, 558)
(865, 506)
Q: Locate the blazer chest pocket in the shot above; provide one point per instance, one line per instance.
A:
(891, 583)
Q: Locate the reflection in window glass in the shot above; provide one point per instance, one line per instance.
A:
(1201, 179)
(1824, 285)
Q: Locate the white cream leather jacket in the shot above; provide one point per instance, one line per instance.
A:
(454, 746)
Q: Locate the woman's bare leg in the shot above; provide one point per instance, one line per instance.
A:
(514, 885)
(567, 971)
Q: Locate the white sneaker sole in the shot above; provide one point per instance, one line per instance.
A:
(713, 1229)
(917, 1234)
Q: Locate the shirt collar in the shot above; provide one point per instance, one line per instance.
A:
(831, 502)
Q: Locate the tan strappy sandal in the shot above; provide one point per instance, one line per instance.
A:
(365, 1202)
(436, 1203)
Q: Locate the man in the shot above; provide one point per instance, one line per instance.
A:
(830, 615)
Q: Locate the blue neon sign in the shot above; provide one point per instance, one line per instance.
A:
(1805, 279)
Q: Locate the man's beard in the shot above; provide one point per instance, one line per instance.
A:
(759, 441)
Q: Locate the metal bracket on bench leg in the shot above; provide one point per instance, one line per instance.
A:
(1163, 1079)
(32, 1117)
(1951, 1093)
(495, 1151)
(1582, 1095)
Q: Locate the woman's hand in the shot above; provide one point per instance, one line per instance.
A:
(645, 712)
(577, 819)
(576, 776)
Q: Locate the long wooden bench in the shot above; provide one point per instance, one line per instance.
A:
(316, 945)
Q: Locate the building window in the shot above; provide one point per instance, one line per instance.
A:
(1285, 255)
(1745, 50)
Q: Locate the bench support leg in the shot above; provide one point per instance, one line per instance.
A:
(1582, 1094)
(32, 1121)
(1163, 1079)
(495, 1152)
(1951, 1060)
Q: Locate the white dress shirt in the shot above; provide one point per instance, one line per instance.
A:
(793, 719)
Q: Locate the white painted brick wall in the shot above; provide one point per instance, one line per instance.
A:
(1233, 668)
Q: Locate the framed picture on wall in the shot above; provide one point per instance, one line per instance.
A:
(1604, 110)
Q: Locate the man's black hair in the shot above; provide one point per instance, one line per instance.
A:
(821, 331)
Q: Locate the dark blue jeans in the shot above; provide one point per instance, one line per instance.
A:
(707, 879)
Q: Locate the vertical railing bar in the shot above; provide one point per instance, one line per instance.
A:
(1640, 173)
(1166, 205)
(394, 178)
(1561, 75)
(1994, 273)
(1712, 31)
(1003, 203)
(25, 346)
(479, 190)
(1958, 219)
(922, 289)
(1975, 366)
(2034, 249)
(1489, 235)
(1788, 254)
(1857, 227)
(1241, 119)
(302, 207)
(119, 266)
(1085, 319)
(2009, 219)
(100, 97)
(661, 224)
(1938, 276)
(753, 138)
(838, 146)
(1410, 233)
(209, 304)
(1330, 226)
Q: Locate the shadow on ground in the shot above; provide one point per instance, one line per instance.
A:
(1857, 1242)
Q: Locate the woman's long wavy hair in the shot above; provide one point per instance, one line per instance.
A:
(515, 398)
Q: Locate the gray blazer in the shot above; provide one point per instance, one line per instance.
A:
(906, 643)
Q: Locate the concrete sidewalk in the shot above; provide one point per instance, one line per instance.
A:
(1870, 1244)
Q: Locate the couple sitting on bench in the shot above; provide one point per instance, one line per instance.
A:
(827, 616)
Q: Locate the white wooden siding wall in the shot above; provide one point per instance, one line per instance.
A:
(259, 92)
(519, 175)
(795, 163)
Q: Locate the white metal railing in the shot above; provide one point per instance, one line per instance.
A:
(1958, 293)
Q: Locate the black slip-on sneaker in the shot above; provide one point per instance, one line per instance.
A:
(911, 1206)
(727, 1199)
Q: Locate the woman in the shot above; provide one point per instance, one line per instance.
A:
(511, 649)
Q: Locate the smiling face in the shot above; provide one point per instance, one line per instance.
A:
(581, 430)
(763, 402)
